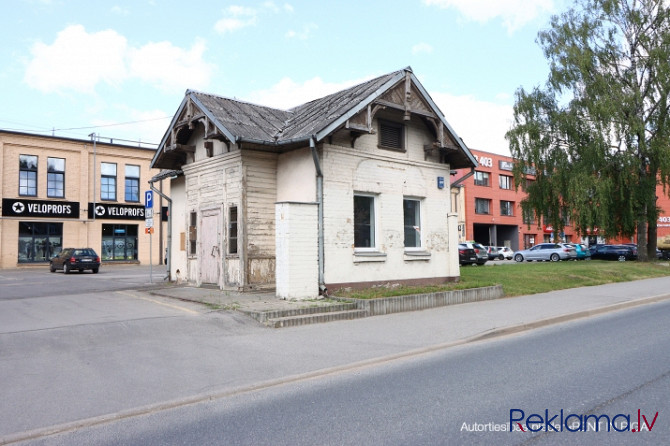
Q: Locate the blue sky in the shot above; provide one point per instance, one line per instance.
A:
(120, 68)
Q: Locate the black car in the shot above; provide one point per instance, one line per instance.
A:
(466, 256)
(614, 252)
(75, 259)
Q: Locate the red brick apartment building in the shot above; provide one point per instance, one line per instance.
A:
(489, 209)
(492, 207)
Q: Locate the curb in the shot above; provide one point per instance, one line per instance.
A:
(216, 395)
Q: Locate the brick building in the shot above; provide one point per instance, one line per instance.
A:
(492, 210)
(61, 192)
(347, 190)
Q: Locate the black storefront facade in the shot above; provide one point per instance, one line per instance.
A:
(40, 226)
(33, 231)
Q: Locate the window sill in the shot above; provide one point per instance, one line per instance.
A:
(369, 256)
(411, 256)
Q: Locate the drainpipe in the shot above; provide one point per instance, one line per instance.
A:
(319, 200)
(464, 177)
(169, 228)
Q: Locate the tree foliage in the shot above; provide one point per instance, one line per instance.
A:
(597, 133)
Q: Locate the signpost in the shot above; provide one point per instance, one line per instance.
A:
(149, 223)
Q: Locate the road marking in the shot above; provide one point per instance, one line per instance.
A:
(176, 307)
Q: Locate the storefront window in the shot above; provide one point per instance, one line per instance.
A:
(119, 242)
(38, 242)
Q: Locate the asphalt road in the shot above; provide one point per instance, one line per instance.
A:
(612, 365)
(33, 282)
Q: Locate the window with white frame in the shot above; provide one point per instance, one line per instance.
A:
(482, 206)
(28, 175)
(505, 182)
(55, 177)
(132, 183)
(411, 209)
(108, 181)
(482, 178)
(506, 208)
(364, 221)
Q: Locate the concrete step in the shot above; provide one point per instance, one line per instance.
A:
(315, 318)
(264, 316)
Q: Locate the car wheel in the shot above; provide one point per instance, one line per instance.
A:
(501, 257)
(554, 257)
(518, 258)
(66, 268)
(52, 268)
(622, 258)
(95, 270)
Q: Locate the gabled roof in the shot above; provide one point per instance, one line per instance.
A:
(238, 122)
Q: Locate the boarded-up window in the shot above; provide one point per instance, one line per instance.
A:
(232, 230)
(391, 135)
(193, 234)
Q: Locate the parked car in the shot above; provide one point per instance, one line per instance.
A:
(492, 251)
(614, 252)
(75, 259)
(547, 251)
(582, 250)
(482, 254)
(505, 253)
(466, 256)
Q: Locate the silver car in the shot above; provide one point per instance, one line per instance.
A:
(547, 251)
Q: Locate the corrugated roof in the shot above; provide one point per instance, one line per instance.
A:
(265, 124)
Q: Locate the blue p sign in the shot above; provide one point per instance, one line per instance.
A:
(149, 199)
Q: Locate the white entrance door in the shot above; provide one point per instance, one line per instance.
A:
(210, 259)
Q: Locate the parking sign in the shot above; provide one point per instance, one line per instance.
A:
(149, 199)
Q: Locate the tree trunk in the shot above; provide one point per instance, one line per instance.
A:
(652, 241)
(642, 241)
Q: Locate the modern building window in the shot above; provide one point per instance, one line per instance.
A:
(38, 242)
(108, 181)
(192, 233)
(391, 135)
(482, 206)
(412, 218)
(133, 183)
(28, 175)
(119, 242)
(505, 182)
(55, 177)
(529, 218)
(506, 207)
(232, 230)
(482, 179)
(364, 221)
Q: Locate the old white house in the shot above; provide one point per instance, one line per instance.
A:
(348, 190)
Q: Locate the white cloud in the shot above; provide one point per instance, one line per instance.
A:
(422, 48)
(171, 67)
(79, 61)
(514, 13)
(236, 17)
(481, 124)
(287, 93)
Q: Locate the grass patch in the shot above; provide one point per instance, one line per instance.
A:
(527, 278)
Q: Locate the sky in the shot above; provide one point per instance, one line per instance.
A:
(120, 69)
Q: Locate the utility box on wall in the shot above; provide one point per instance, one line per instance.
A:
(296, 250)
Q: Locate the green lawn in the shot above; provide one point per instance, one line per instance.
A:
(529, 278)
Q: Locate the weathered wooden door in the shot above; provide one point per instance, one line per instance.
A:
(210, 258)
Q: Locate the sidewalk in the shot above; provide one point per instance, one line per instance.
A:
(505, 314)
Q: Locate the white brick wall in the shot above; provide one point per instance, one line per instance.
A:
(297, 250)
